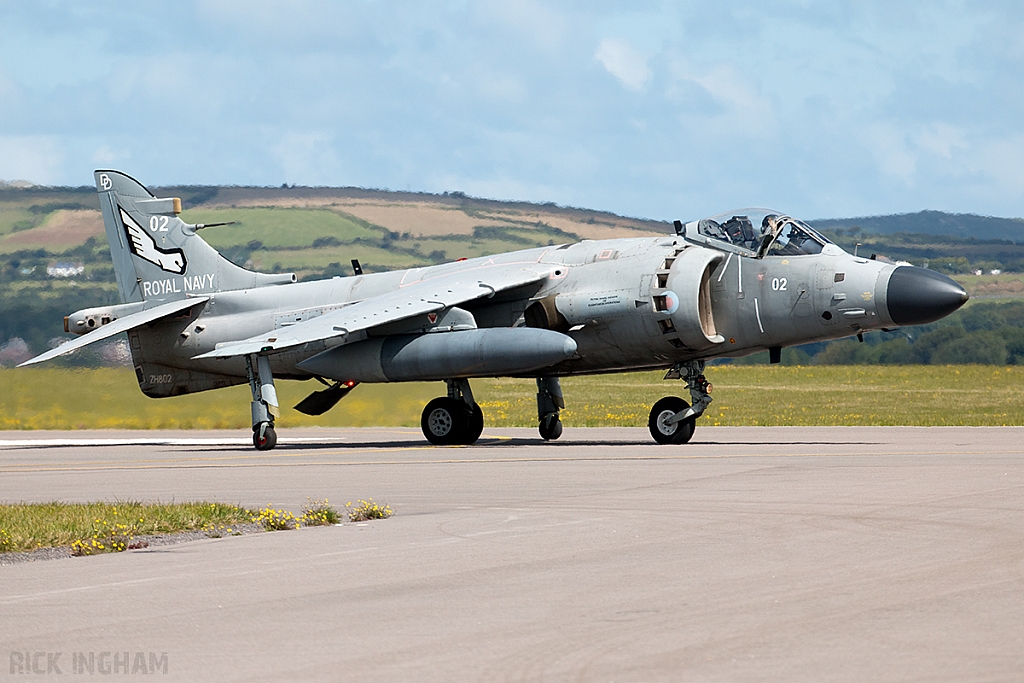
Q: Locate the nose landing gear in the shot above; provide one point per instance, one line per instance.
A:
(672, 419)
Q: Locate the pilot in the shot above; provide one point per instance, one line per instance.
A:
(767, 226)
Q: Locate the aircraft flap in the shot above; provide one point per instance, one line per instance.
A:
(419, 298)
(128, 322)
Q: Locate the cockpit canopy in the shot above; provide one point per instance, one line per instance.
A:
(757, 233)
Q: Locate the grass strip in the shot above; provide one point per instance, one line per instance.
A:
(921, 395)
(28, 526)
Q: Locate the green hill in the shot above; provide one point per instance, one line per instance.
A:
(962, 225)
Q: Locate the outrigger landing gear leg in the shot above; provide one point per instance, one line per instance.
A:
(549, 402)
(455, 419)
(672, 419)
(264, 402)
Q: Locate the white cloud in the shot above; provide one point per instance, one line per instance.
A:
(891, 150)
(941, 140)
(742, 110)
(544, 26)
(36, 158)
(500, 86)
(624, 62)
(307, 158)
(815, 107)
(919, 154)
(108, 158)
(997, 163)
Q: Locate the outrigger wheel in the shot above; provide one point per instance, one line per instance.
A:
(665, 432)
(263, 436)
(449, 421)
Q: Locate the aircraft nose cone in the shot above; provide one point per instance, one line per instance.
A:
(916, 296)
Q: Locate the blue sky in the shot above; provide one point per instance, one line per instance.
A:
(662, 110)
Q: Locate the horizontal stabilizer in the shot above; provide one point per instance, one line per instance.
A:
(416, 299)
(128, 322)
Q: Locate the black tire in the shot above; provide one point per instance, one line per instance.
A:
(550, 427)
(444, 421)
(474, 426)
(267, 441)
(676, 433)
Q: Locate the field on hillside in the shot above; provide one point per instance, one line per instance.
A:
(47, 398)
(1004, 285)
(307, 230)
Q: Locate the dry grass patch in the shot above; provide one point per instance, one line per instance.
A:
(60, 230)
(105, 527)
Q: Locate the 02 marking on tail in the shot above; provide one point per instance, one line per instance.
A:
(144, 246)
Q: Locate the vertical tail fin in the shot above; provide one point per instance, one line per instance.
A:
(156, 255)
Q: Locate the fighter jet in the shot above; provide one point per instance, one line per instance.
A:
(721, 287)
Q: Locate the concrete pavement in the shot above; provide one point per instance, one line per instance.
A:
(884, 554)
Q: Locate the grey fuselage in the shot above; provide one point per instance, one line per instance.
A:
(629, 304)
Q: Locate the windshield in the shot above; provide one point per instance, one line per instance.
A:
(764, 232)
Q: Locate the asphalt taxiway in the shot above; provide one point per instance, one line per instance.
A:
(884, 554)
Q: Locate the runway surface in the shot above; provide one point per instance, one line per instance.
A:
(797, 554)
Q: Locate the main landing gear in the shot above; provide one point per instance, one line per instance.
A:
(455, 419)
(672, 419)
(264, 402)
(549, 402)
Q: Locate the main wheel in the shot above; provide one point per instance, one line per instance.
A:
(264, 437)
(677, 432)
(550, 427)
(474, 425)
(444, 421)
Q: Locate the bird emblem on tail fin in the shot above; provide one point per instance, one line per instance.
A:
(142, 244)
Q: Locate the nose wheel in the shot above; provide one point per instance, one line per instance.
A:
(672, 420)
(663, 428)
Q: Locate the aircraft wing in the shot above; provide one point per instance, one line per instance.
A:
(411, 300)
(123, 324)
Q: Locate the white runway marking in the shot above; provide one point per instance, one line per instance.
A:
(143, 441)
